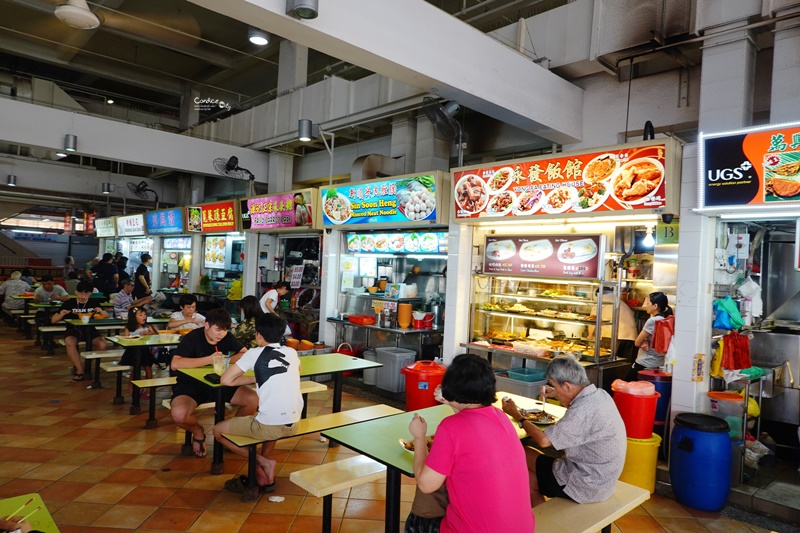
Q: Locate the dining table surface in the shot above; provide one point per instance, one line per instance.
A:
(310, 365)
(381, 440)
(139, 343)
(40, 520)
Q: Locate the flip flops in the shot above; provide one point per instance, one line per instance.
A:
(202, 443)
(238, 485)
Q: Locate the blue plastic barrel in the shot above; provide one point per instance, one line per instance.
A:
(700, 461)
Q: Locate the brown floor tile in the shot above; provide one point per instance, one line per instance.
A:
(15, 487)
(127, 516)
(639, 524)
(313, 507)
(171, 519)
(166, 479)
(724, 525)
(148, 496)
(64, 490)
(365, 509)
(74, 457)
(98, 445)
(93, 529)
(79, 513)
(306, 457)
(267, 523)
(112, 459)
(371, 491)
(350, 525)
(16, 468)
(105, 493)
(148, 462)
(289, 506)
(191, 498)
(90, 474)
(129, 476)
(312, 524)
(216, 521)
(681, 525)
(51, 471)
(229, 501)
(659, 505)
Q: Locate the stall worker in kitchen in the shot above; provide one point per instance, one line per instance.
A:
(74, 336)
(124, 299)
(626, 327)
(276, 371)
(141, 277)
(657, 306)
(591, 434)
(187, 317)
(270, 300)
(195, 350)
(245, 330)
(48, 292)
(475, 453)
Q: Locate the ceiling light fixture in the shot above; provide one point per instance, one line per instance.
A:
(258, 37)
(61, 154)
(76, 13)
(302, 9)
(70, 142)
(648, 239)
(307, 129)
(12, 180)
(110, 101)
(107, 187)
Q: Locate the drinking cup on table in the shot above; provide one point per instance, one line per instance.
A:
(85, 318)
(219, 362)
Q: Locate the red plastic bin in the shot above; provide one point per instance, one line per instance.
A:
(638, 413)
(422, 378)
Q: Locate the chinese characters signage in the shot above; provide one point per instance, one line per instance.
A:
(288, 210)
(177, 243)
(105, 227)
(400, 200)
(564, 256)
(216, 217)
(614, 180)
(757, 166)
(168, 221)
(130, 225)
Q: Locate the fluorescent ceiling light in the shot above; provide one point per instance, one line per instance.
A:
(772, 215)
(61, 154)
(110, 101)
(258, 37)
(25, 231)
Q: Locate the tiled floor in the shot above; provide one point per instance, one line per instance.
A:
(99, 471)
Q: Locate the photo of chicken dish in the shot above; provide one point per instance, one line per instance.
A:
(559, 200)
(637, 180)
(501, 179)
(471, 193)
(501, 203)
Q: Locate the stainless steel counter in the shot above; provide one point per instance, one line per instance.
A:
(424, 341)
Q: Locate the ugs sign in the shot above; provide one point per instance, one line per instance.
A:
(729, 174)
(210, 104)
(729, 177)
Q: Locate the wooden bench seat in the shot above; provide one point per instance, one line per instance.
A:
(324, 480)
(306, 426)
(98, 356)
(114, 367)
(559, 515)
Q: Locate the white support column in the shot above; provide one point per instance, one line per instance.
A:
(785, 101)
(250, 273)
(404, 142)
(457, 290)
(280, 170)
(329, 297)
(196, 263)
(432, 150)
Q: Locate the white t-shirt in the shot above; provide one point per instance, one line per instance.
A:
(278, 381)
(178, 315)
(44, 295)
(269, 296)
(626, 323)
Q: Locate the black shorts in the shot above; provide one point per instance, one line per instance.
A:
(548, 485)
(80, 333)
(201, 393)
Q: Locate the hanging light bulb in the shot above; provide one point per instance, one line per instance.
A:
(649, 241)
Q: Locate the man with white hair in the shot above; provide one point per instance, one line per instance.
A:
(591, 434)
(14, 286)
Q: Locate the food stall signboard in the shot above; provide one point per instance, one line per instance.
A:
(414, 243)
(211, 218)
(288, 210)
(754, 167)
(297, 276)
(166, 222)
(620, 179)
(177, 243)
(105, 227)
(131, 225)
(399, 200)
(563, 256)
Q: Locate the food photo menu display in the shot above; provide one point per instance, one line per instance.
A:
(614, 180)
(572, 256)
(414, 243)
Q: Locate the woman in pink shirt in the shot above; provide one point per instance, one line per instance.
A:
(476, 454)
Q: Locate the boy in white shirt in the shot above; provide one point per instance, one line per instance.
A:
(280, 403)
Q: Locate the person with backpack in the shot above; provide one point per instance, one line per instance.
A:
(657, 306)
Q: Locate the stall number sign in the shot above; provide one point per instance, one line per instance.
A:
(297, 276)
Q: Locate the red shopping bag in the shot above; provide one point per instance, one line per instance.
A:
(345, 349)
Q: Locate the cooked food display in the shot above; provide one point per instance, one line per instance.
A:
(409, 444)
(471, 194)
(337, 207)
(501, 179)
(500, 203)
(637, 179)
(429, 242)
(488, 306)
(551, 293)
(517, 308)
(591, 196)
(528, 202)
(599, 169)
(548, 312)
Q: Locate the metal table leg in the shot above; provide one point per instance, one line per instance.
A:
(392, 516)
(219, 415)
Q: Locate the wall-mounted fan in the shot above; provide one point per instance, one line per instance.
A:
(442, 118)
(141, 190)
(230, 168)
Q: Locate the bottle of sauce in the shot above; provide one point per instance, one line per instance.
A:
(294, 302)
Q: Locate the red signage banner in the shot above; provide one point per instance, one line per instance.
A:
(621, 179)
(563, 256)
(208, 218)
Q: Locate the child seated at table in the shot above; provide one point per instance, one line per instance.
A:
(280, 403)
(137, 325)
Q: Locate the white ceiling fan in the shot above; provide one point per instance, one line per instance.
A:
(76, 13)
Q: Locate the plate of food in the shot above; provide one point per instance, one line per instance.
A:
(471, 193)
(221, 243)
(367, 243)
(381, 243)
(536, 250)
(429, 242)
(559, 200)
(500, 250)
(637, 180)
(396, 242)
(337, 207)
(590, 197)
(500, 180)
(354, 243)
(412, 243)
(501, 203)
(579, 251)
(130, 337)
(408, 445)
(600, 168)
(529, 202)
(537, 416)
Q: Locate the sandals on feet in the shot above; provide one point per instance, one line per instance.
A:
(79, 377)
(202, 442)
(238, 485)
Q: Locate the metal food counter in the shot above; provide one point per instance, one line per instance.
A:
(426, 342)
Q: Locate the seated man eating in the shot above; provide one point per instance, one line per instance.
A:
(591, 434)
(195, 350)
